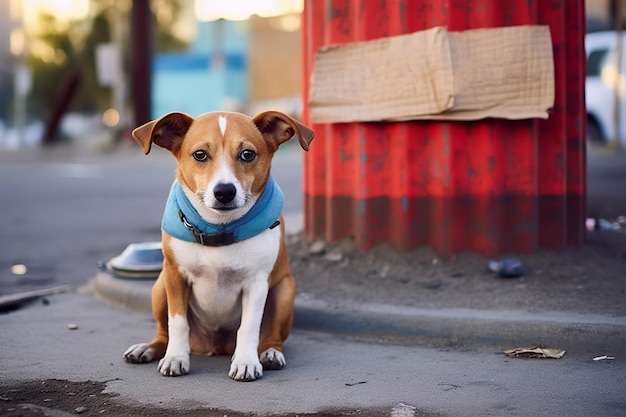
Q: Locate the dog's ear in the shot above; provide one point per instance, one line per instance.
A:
(278, 128)
(167, 132)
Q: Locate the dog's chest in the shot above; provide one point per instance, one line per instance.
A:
(218, 275)
(216, 295)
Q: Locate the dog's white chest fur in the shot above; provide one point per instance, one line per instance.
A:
(218, 275)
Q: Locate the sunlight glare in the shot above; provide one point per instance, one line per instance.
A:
(111, 117)
(242, 9)
(62, 9)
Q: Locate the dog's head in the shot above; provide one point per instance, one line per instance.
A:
(224, 158)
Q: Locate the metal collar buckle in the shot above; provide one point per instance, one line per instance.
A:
(206, 239)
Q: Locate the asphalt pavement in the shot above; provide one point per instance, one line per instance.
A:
(366, 359)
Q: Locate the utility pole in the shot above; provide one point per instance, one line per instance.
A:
(141, 56)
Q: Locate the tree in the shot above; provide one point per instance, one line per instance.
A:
(51, 56)
(60, 47)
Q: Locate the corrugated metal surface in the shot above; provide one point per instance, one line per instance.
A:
(488, 186)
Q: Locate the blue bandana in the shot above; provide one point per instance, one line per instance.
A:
(182, 221)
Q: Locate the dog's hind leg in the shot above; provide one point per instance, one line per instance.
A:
(148, 352)
(277, 321)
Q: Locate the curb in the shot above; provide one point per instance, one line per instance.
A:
(455, 327)
(133, 294)
(451, 327)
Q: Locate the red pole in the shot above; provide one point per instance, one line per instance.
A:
(490, 186)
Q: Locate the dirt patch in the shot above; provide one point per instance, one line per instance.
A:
(38, 398)
(60, 398)
(587, 279)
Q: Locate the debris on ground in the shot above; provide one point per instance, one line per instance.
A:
(13, 300)
(535, 352)
(317, 248)
(600, 224)
(604, 358)
(506, 268)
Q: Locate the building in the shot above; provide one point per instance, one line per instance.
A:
(247, 66)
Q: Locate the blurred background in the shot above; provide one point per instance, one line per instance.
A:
(68, 67)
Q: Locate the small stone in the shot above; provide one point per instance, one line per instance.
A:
(384, 271)
(334, 257)
(318, 248)
(432, 285)
(72, 326)
(81, 410)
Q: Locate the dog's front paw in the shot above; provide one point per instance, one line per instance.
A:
(245, 368)
(139, 353)
(174, 365)
(272, 359)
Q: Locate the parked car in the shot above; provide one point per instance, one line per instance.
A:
(601, 82)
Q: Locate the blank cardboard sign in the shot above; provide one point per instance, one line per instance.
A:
(435, 74)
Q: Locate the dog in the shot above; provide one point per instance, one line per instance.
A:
(226, 287)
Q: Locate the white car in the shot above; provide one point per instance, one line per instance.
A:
(601, 84)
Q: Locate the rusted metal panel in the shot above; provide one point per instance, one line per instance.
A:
(489, 186)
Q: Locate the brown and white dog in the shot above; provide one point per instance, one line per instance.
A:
(226, 287)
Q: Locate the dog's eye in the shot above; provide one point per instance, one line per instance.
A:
(200, 156)
(247, 155)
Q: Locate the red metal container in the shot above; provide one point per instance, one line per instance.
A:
(489, 186)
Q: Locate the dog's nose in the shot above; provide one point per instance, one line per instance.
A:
(224, 193)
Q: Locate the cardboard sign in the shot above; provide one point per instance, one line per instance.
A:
(435, 74)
